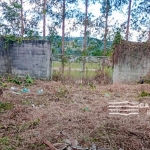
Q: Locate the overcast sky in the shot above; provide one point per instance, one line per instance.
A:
(95, 9)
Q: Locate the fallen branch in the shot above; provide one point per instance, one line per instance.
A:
(51, 147)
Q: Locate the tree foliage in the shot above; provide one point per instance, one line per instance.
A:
(141, 19)
(74, 19)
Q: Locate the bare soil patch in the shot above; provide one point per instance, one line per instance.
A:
(81, 112)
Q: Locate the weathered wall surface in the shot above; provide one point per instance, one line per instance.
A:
(33, 57)
(2, 58)
(126, 73)
(131, 63)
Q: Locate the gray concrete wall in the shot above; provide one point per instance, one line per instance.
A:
(2, 58)
(131, 70)
(29, 57)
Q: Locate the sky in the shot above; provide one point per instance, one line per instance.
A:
(95, 9)
(116, 16)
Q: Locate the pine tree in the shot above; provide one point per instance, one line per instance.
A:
(106, 11)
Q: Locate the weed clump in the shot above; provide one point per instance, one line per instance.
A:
(5, 106)
(103, 77)
(143, 94)
(27, 80)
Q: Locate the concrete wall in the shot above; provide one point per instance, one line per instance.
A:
(33, 57)
(131, 70)
(2, 58)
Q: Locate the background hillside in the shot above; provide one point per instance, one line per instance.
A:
(74, 46)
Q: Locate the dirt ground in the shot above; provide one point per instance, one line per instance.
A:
(62, 112)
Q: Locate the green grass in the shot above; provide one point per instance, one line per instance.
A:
(5, 106)
(75, 69)
(78, 65)
(77, 74)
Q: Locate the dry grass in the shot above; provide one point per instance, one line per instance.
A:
(81, 112)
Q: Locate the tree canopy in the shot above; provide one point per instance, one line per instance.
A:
(51, 19)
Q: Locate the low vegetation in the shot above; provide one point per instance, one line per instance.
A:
(19, 80)
(5, 106)
(63, 111)
(73, 73)
(143, 94)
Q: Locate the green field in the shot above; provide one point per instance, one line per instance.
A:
(78, 65)
(75, 69)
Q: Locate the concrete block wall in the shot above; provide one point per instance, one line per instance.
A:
(31, 57)
(131, 70)
(2, 58)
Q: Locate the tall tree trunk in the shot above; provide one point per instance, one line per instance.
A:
(63, 36)
(85, 37)
(22, 25)
(128, 23)
(44, 19)
(106, 27)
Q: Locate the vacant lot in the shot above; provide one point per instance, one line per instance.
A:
(60, 112)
